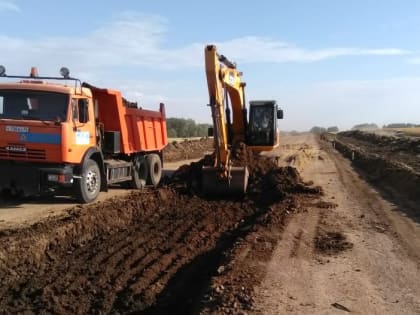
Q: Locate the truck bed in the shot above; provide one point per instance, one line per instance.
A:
(141, 130)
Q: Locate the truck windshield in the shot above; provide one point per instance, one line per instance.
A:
(33, 105)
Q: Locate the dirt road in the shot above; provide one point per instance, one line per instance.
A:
(377, 275)
(287, 247)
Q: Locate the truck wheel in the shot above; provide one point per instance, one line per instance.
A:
(155, 169)
(87, 187)
(139, 173)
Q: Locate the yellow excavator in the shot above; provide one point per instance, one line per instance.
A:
(231, 125)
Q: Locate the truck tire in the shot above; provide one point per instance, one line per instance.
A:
(87, 187)
(155, 169)
(140, 172)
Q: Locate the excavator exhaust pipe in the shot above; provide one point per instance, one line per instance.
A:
(214, 185)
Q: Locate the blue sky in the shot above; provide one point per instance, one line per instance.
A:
(326, 62)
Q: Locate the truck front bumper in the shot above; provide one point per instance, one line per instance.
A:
(32, 179)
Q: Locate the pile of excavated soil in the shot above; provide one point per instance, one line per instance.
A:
(389, 162)
(393, 143)
(156, 251)
(399, 149)
(187, 149)
(267, 183)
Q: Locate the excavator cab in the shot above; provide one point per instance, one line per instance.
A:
(262, 127)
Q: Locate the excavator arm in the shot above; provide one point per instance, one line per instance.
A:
(224, 85)
(235, 89)
(217, 105)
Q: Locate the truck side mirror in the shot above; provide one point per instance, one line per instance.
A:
(279, 114)
(210, 132)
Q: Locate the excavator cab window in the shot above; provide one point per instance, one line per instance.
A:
(262, 124)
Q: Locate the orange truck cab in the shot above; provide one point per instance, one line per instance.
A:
(59, 134)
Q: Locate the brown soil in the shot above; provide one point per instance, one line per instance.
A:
(402, 150)
(151, 252)
(374, 276)
(286, 246)
(187, 149)
(331, 242)
(391, 163)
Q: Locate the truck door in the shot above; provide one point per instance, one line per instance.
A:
(83, 127)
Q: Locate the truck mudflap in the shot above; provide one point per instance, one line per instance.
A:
(28, 179)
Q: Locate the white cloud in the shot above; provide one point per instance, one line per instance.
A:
(257, 49)
(9, 6)
(135, 40)
(111, 54)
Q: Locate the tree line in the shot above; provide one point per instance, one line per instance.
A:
(319, 130)
(184, 128)
(364, 126)
(401, 125)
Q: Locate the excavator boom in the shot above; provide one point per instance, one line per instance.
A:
(222, 80)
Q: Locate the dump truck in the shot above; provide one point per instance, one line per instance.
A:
(232, 126)
(58, 135)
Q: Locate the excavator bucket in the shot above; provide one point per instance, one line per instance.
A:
(213, 184)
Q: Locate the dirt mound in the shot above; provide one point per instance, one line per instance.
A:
(402, 150)
(394, 168)
(155, 251)
(390, 142)
(267, 182)
(187, 149)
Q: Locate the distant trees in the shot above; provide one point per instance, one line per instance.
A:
(401, 125)
(318, 130)
(332, 129)
(183, 128)
(365, 126)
